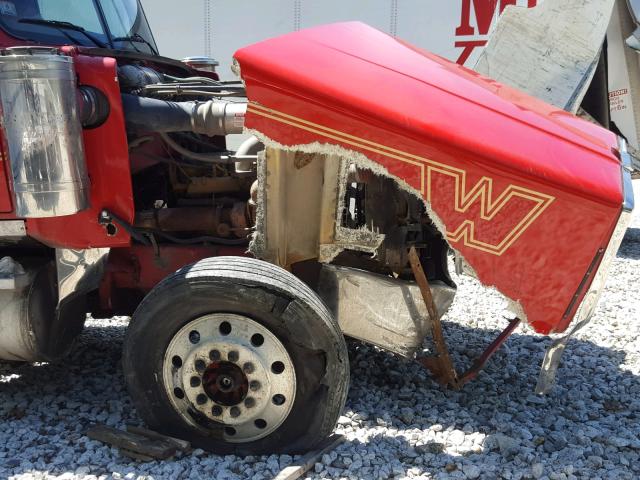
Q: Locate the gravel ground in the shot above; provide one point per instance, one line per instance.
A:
(398, 423)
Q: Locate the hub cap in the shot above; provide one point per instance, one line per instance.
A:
(231, 370)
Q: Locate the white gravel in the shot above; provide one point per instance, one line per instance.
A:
(398, 423)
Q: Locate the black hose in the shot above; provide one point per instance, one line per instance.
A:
(130, 229)
(202, 239)
(143, 114)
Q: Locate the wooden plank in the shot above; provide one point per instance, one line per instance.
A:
(139, 444)
(181, 445)
(138, 457)
(307, 461)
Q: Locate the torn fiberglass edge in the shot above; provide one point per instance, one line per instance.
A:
(371, 309)
(377, 309)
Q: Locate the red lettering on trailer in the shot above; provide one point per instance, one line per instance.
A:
(617, 93)
(618, 100)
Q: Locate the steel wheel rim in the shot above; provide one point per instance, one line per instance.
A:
(228, 370)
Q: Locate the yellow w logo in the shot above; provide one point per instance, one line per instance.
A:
(481, 192)
(482, 195)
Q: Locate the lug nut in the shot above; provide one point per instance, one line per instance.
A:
(233, 356)
(195, 381)
(254, 385)
(249, 402)
(201, 399)
(214, 355)
(234, 412)
(248, 367)
(216, 410)
(194, 336)
(200, 365)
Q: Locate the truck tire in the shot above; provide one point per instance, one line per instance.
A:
(237, 356)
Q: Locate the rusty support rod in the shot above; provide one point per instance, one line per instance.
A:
(488, 353)
(441, 365)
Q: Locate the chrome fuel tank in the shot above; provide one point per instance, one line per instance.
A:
(41, 122)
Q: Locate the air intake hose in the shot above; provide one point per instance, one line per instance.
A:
(143, 114)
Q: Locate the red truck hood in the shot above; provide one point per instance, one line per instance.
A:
(528, 194)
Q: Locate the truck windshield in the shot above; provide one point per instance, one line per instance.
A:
(118, 24)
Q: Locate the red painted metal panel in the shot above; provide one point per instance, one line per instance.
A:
(6, 205)
(141, 268)
(528, 193)
(107, 157)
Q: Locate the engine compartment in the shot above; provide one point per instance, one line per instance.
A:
(189, 189)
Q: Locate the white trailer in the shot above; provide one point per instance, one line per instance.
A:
(457, 29)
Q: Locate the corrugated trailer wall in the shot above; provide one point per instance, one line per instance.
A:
(454, 29)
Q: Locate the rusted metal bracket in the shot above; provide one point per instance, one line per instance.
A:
(473, 371)
(441, 365)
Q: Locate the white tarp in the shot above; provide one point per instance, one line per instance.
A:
(551, 51)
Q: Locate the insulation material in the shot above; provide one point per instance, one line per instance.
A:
(296, 207)
(259, 246)
(551, 51)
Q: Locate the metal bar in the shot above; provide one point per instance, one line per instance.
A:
(473, 371)
(440, 365)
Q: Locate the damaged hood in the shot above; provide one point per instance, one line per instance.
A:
(527, 194)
